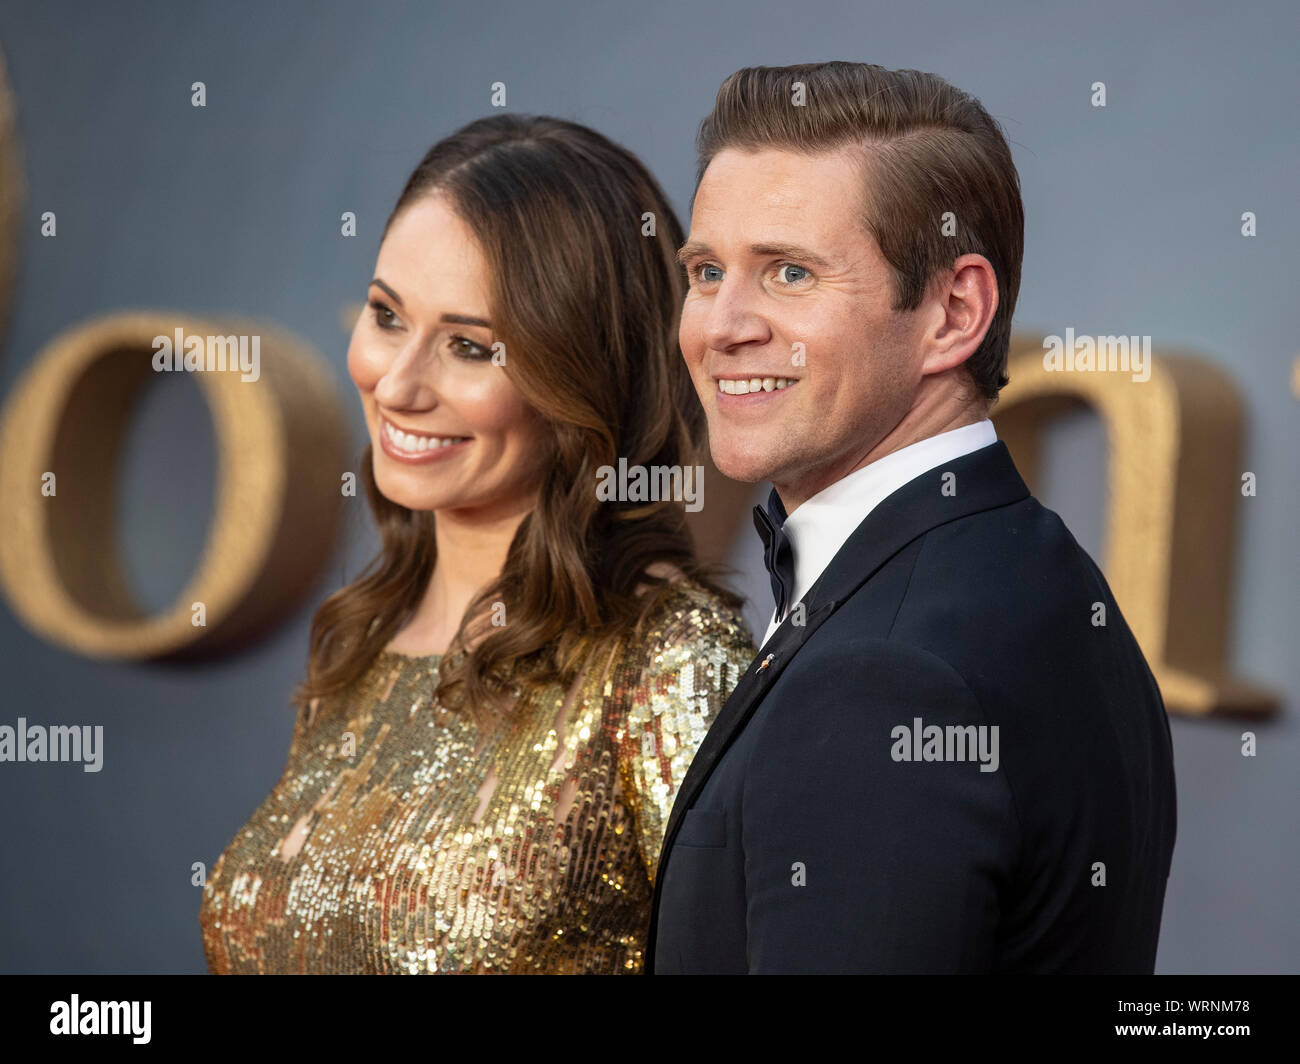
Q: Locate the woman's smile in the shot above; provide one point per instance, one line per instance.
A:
(417, 449)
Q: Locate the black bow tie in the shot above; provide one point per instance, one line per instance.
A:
(778, 554)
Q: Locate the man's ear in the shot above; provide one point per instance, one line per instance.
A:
(965, 298)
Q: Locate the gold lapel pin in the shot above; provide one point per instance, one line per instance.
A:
(766, 662)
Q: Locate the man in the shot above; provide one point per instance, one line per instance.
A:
(949, 755)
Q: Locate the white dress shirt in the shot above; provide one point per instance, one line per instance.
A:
(819, 527)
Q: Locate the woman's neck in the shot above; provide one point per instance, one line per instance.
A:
(472, 551)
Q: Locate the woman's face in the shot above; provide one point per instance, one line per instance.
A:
(448, 429)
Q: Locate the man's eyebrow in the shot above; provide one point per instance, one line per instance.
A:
(689, 250)
(790, 251)
(451, 319)
(692, 248)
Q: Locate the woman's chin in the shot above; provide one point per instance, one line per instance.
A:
(397, 488)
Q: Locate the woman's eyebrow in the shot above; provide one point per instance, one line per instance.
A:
(391, 294)
(450, 319)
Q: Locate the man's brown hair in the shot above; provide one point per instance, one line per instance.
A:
(928, 149)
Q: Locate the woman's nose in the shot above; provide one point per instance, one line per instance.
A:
(408, 380)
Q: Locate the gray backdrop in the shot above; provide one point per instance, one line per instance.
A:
(316, 108)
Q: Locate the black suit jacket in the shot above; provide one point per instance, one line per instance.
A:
(799, 842)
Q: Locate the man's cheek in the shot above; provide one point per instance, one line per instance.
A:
(689, 331)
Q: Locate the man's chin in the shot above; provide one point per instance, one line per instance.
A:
(746, 468)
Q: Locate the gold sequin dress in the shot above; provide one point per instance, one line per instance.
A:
(398, 842)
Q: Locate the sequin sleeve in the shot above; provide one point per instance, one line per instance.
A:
(688, 665)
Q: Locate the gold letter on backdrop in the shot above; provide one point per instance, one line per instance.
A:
(281, 442)
(1174, 482)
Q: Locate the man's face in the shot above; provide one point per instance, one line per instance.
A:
(786, 285)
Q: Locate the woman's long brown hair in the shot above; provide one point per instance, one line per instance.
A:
(586, 293)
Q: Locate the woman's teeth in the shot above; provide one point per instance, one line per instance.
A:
(404, 441)
(754, 384)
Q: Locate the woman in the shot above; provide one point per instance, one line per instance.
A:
(498, 713)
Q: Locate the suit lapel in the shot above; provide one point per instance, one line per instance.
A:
(978, 481)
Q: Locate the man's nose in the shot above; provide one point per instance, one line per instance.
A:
(735, 316)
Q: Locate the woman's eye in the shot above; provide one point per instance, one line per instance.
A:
(380, 311)
(800, 273)
(468, 349)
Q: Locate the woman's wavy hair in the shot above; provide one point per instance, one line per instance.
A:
(586, 294)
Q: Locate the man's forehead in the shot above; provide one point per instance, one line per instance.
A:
(774, 197)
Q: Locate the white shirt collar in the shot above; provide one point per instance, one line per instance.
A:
(820, 526)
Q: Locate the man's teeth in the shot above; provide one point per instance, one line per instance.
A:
(754, 384)
(404, 441)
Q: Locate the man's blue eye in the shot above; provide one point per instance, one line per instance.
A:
(793, 280)
(705, 275)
